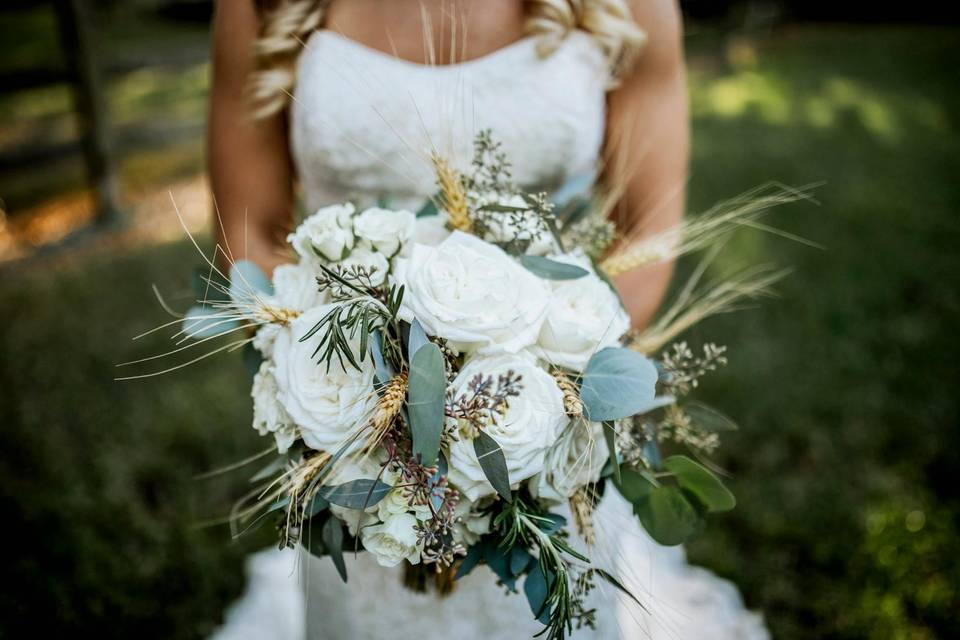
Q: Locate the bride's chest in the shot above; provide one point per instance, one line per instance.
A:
(364, 123)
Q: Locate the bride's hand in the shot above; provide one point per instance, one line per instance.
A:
(250, 169)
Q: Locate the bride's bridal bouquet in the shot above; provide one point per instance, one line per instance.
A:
(460, 385)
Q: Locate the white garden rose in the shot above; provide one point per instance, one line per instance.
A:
(470, 523)
(384, 230)
(375, 263)
(327, 403)
(393, 541)
(473, 294)
(531, 425)
(329, 231)
(295, 287)
(269, 416)
(576, 459)
(265, 338)
(431, 230)
(584, 316)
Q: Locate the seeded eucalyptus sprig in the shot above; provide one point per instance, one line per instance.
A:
(370, 308)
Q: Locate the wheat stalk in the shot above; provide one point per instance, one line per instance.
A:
(452, 194)
(581, 507)
(704, 230)
(388, 407)
(572, 403)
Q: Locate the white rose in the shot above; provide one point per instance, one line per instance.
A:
(471, 523)
(328, 404)
(473, 294)
(431, 230)
(393, 541)
(397, 501)
(584, 316)
(384, 230)
(575, 460)
(295, 287)
(530, 427)
(269, 416)
(517, 225)
(265, 338)
(329, 231)
(375, 263)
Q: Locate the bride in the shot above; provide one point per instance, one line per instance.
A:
(346, 99)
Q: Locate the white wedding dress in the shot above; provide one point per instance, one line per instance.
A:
(363, 124)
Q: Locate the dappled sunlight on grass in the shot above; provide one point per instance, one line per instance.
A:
(775, 100)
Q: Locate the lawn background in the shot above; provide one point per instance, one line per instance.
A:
(845, 386)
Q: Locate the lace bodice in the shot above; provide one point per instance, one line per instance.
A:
(363, 123)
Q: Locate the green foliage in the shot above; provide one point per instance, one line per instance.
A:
(426, 401)
(617, 383)
(356, 494)
(492, 461)
(551, 269)
(701, 482)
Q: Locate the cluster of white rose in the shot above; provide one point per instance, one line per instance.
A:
(489, 309)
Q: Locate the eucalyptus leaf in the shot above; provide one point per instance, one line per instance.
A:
(702, 483)
(651, 452)
(318, 504)
(494, 464)
(384, 371)
(708, 418)
(332, 535)
(206, 322)
(667, 515)
(247, 280)
(553, 522)
(426, 400)
(552, 269)
(535, 587)
(633, 486)
(520, 559)
(429, 208)
(415, 339)
(610, 437)
(436, 498)
(356, 494)
(498, 559)
(617, 383)
(474, 554)
(209, 286)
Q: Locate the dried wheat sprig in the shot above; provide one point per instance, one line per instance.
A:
(300, 487)
(572, 403)
(387, 409)
(581, 506)
(452, 194)
(700, 232)
(692, 306)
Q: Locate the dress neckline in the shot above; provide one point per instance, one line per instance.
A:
(517, 46)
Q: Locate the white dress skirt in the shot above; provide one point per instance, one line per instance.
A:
(363, 125)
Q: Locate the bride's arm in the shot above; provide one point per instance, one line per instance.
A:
(647, 145)
(249, 161)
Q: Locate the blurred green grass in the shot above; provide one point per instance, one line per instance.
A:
(844, 386)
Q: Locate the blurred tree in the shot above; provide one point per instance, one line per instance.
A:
(76, 34)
